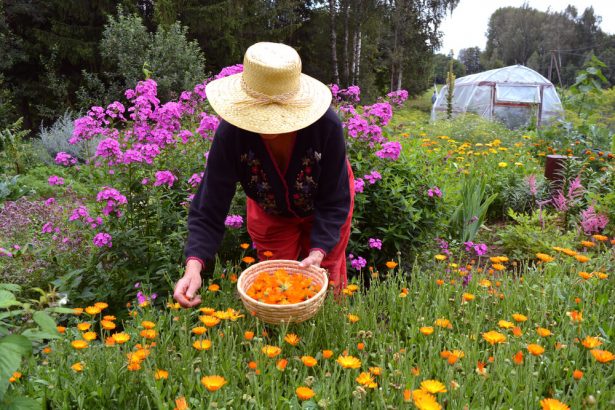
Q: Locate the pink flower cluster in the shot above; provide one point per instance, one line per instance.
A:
(55, 180)
(372, 177)
(434, 191)
(112, 199)
(379, 113)
(351, 94)
(234, 221)
(230, 70)
(390, 150)
(593, 222)
(102, 239)
(358, 263)
(359, 185)
(64, 158)
(375, 243)
(165, 178)
(398, 97)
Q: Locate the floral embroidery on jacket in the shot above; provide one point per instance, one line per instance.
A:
(305, 185)
(259, 182)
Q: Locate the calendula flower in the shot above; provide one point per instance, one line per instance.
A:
(365, 378)
(292, 339)
(517, 332)
(603, 356)
(79, 344)
(552, 404)
(214, 287)
(349, 362)
(575, 316)
(267, 254)
(492, 337)
(92, 310)
(433, 386)
(244, 246)
(309, 361)
(207, 311)
(161, 374)
(77, 367)
(535, 350)
(213, 383)
(209, 321)
(101, 305)
(591, 342)
(440, 257)
(83, 326)
(425, 401)
(481, 369)
(443, 323)
(502, 164)
(577, 374)
(148, 333)
(248, 335)
(468, 297)
(180, 403)
(120, 338)
(376, 371)
(61, 329)
(327, 354)
(545, 258)
(352, 318)
(588, 244)
(504, 324)
(601, 275)
(518, 317)
(281, 364)
(146, 324)
(202, 344)
(89, 336)
(581, 258)
(600, 238)
(518, 357)
(248, 259)
(199, 330)
(542, 332)
(134, 366)
(107, 324)
(498, 266)
(271, 351)
(426, 330)
(304, 393)
(391, 264)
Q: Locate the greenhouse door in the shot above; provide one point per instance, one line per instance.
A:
(517, 105)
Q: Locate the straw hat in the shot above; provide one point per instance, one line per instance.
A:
(271, 95)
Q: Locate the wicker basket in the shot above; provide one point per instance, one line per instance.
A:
(278, 314)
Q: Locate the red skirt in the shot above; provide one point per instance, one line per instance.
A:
(289, 237)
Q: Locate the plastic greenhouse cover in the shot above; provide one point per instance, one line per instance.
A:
(517, 93)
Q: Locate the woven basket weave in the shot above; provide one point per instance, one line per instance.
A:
(278, 314)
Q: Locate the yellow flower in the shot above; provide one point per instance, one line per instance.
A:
(552, 404)
(535, 349)
(444, 323)
(79, 344)
(148, 333)
(440, 257)
(349, 362)
(366, 379)
(426, 330)
(271, 351)
(207, 311)
(209, 321)
(603, 356)
(502, 164)
(425, 401)
(120, 338)
(498, 266)
(600, 238)
(213, 383)
(146, 324)
(83, 326)
(109, 317)
(376, 371)
(504, 324)
(591, 342)
(202, 344)
(581, 258)
(588, 244)
(89, 336)
(161, 374)
(492, 337)
(485, 283)
(107, 324)
(77, 367)
(134, 366)
(518, 317)
(199, 330)
(292, 339)
(309, 361)
(585, 275)
(304, 393)
(433, 386)
(544, 257)
(467, 297)
(101, 305)
(542, 332)
(352, 318)
(92, 310)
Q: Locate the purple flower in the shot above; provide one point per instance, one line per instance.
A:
(372, 177)
(593, 222)
(137, 285)
(230, 70)
(195, 179)
(102, 239)
(64, 158)
(208, 125)
(55, 180)
(79, 213)
(434, 191)
(358, 263)
(4, 252)
(375, 243)
(531, 182)
(379, 113)
(398, 97)
(47, 228)
(132, 155)
(112, 199)
(234, 221)
(165, 178)
(359, 184)
(141, 298)
(50, 201)
(108, 148)
(390, 150)
(466, 279)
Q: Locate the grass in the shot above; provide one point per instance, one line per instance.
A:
(389, 322)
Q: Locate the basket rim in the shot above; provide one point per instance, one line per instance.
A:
(311, 300)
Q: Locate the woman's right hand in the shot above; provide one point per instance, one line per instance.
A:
(187, 287)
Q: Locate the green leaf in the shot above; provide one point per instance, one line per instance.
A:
(7, 299)
(45, 322)
(11, 287)
(20, 403)
(64, 310)
(35, 335)
(12, 349)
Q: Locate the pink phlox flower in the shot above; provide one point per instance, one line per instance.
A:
(55, 180)
(165, 178)
(390, 150)
(102, 239)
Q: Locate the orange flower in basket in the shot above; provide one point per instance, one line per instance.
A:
(282, 288)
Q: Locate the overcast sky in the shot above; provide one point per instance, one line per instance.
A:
(467, 26)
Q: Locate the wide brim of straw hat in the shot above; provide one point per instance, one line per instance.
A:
(228, 98)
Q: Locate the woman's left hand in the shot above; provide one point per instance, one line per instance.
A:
(314, 259)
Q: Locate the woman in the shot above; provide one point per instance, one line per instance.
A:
(282, 141)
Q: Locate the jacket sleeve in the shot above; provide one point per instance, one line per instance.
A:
(332, 201)
(212, 200)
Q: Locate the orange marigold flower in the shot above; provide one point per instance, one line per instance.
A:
(439, 282)
(416, 371)
(79, 344)
(423, 400)
(309, 361)
(407, 395)
(202, 344)
(433, 386)
(148, 333)
(365, 379)
(267, 254)
(304, 393)
(518, 317)
(214, 287)
(603, 356)
(601, 275)
(426, 330)
(587, 244)
(352, 318)
(244, 246)
(199, 330)
(552, 404)
(101, 305)
(542, 332)
(391, 264)
(545, 258)
(292, 339)
(443, 323)
(107, 324)
(349, 362)
(134, 366)
(209, 321)
(577, 374)
(83, 326)
(360, 345)
(518, 357)
(585, 275)
(92, 310)
(61, 329)
(467, 297)
(581, 258)
(271, 351)
(213, 383)
(535, 350)
(161, 374)
(575, 316)
(591, 342)
(252, 365)
(248, 335)
(89, 336)
(498, 266)
(120, 338)
(248, 259)
(77, 311)
(485, 283)
(376, 371)
(492, 337)
(146, 324)
(504, 324)
(327, 354)
(78, 367)
(281, 364)
(600, 238)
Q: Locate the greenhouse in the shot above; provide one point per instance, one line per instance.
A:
(515, 95)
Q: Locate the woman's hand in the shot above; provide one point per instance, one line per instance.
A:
(314, 259)
(187, 287)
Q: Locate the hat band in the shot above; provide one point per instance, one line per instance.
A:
(258, 98)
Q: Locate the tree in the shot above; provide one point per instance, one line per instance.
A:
(470, 58)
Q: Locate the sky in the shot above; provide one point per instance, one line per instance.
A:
(467, 25)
